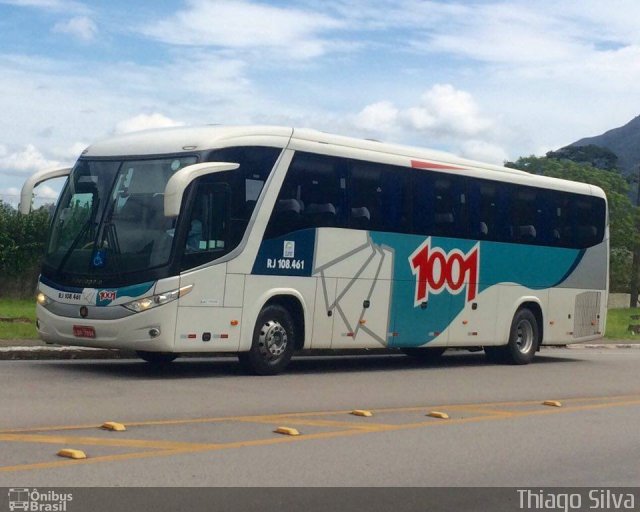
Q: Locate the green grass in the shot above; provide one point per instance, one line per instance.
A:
(618, 321)
(12, 308)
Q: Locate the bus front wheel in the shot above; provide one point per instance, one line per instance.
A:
(273, 342)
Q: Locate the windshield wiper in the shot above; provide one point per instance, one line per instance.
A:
(75, 243)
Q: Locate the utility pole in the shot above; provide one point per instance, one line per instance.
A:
(635, 265)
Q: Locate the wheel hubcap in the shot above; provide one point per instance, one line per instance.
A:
(273, 340)
(524, 336)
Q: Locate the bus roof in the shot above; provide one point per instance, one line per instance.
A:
(188, 139)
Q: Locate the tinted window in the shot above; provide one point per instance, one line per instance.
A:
(439, 204)
(223, 203)
(311, 196)
(589, 220)
(321, 191)
(379, 197)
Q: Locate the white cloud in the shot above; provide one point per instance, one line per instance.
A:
(25, 161)
(443, 112)
(49, 5)
(483, 152)
(80, 27)
(146, 122)
(46, 192)
(75, 150)
(378, 117)
(242, 24)
(11, 191)
(69, 153)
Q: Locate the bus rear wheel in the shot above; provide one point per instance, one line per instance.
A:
(157, 357)
(524, 338)
(273, 342)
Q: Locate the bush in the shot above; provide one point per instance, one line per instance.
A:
(22, 240)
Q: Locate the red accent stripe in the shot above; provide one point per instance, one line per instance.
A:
(418, 164)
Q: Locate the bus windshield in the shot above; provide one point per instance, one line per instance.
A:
(110, 220)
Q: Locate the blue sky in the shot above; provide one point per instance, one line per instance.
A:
(489, 80)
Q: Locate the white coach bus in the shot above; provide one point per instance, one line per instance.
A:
(265, 240)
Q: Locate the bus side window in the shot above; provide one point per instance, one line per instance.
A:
(504, 231)
(439, 204)
(589, 221)
(364, 195)
(559, 231)
(423, 202)
(311, 195)
(483, 200)
(525, 215)
(379, 197)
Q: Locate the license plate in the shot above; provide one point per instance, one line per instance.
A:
(84, 331)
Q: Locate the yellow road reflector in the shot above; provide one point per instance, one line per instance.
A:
(112, 425)
(72, 454)
(552, 403)
(362, 412)
(438, 414)
(287, 431)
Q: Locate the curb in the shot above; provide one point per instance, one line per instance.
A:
(606, 346)
(15, 353)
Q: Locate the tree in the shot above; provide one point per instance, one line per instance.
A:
(623, 215)
(22, 239)
(599, 157)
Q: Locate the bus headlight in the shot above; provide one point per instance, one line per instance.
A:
(146, 303)
(42, 299)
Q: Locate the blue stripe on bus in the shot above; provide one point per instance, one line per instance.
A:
(105, 296)
(535, 267)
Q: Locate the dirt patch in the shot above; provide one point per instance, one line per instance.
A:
(17, 320)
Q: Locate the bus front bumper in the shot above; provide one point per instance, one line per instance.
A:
(151, 330)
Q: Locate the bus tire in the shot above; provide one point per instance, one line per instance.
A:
(524, 338)
(425, 354)
(157, 357)
(273, 342)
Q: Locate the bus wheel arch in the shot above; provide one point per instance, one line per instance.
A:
(278, 331)
(524, 336)
(294, 306)
(536, 309)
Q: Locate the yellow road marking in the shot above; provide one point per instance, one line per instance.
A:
(98, 441)
(486, 411)
(281, 416)
(167, 448)
(294, 420)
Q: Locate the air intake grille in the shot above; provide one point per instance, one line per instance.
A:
(587, 314)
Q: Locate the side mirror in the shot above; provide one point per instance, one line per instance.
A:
(178, 183)
(33, 181)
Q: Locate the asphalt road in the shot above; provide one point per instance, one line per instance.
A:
(200, 422)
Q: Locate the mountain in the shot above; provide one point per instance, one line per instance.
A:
(623, 141)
